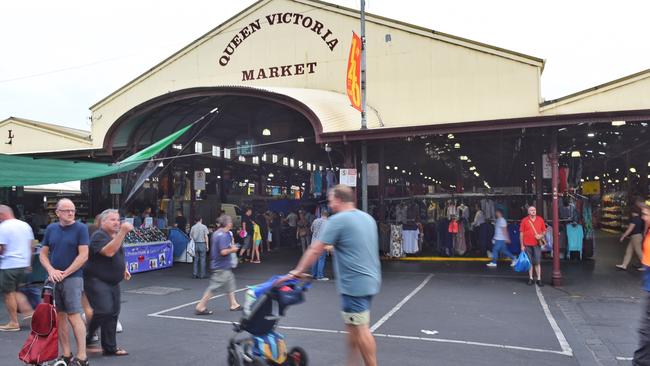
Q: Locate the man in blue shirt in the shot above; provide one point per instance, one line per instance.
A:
(64, 252)
(353, 234)
(221, 246)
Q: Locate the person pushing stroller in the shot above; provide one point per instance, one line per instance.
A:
(353, 234)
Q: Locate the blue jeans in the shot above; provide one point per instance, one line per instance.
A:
(318, 269)
(500, 246)
(199, 260)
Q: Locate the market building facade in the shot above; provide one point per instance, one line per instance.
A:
(451, 123)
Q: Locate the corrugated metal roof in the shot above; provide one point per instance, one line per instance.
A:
(333, 109)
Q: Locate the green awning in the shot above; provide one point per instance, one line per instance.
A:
(27, 171)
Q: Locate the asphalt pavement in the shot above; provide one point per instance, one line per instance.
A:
(442, 313)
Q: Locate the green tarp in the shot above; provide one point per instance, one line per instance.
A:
(27, 171)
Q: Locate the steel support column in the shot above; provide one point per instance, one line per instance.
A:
(554, 157)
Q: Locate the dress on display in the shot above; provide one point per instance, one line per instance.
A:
(396, 241)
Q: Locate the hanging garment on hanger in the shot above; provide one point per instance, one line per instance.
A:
(318, 182)
(401, 213)
(563, 175)
(452, 211)
(396, 250)
(410, 241)
(460, 246)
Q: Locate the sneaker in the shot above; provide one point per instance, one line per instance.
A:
(78, 362)
(621, 267)
(67, 360)
(513, 262)
(539, 283)
(491, 264)
(119, 327)
(530, 282)
(322, 279)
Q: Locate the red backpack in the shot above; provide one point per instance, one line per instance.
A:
(42, 344)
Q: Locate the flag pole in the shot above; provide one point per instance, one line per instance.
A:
(364, 126)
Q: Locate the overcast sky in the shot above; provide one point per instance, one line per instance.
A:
(59, 58)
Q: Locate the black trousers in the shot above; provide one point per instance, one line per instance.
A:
(104, 298)
(642, 354)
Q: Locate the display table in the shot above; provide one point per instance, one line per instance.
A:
(143, 257)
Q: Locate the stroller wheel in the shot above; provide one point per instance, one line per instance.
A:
(297, 357)
(233, 358)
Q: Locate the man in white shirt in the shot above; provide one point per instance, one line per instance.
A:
(15, 258)
(501, 240)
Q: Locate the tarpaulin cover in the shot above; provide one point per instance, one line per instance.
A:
(27, 171)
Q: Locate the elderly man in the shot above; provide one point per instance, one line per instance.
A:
(64, 252)
(353, 234)
(15, 258)
(532, 230)
(102, 276)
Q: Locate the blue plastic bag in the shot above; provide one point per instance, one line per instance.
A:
(523, 263)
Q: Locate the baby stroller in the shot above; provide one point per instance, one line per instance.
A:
(42, 345)
(265, 305)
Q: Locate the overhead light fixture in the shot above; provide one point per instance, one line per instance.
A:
(395, 168)
(245, 180)
(591, 134)
(198, 147)
(477, 174)
(596, 178)
(575, 154)
(617, 181)
(457, 145)
(207, 170)
(301, 139)
(609, 181)
(264, 157)
(450, 136)
(218, 177)
(268, 179)
(463, 157)
(160, 165)
(618, 123)
(632, 170)
(388, 167)
(582, 180)
(266, 132)
(177, 147)
(403, 171)
(472, 168)
(271, 175)
(602, 153)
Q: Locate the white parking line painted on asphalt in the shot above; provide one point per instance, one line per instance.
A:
(390, 336)
(400, 304)
(566, 348)
(470, 343)
(619, 358)
(191, 303)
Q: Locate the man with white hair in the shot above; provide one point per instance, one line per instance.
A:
(64, 252)
(15, 258)
(532, 230)
(102, 276)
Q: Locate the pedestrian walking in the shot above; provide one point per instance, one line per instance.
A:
(318, 269)
(257, 242)
(199, 233)
(635, 231)
(247, 229)
(642, 354)
(64, 252)
(15, 259)
(303, 233)
(221, 267)
(501, 239)
(532, 230)
(353, 235)
(292, 222)
(102, 276)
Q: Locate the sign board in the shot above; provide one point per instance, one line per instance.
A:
(373, 174)
(148, 256)
(199, 180)
(245, 147)
(591, 188)
(148, 222)
(116, 186)
(547, 170)
(348, 177)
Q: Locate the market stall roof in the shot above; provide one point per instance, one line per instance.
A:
(31, 137)
(26, 171)
(65, 187)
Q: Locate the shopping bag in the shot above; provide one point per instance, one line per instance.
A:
(191, 248)
(42, 344)
(523, 263)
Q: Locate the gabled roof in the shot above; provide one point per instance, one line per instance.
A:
(67, 131)
(586, 93)
(422, 31)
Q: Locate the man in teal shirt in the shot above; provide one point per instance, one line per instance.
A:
(353, 234)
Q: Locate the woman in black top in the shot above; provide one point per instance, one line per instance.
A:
(635, 232)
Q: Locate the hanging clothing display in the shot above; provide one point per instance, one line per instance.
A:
(460, 246)
(317, 182)
(564, 176)
(410, 241)
(396, 241)
(575, 235)
(548, 236)
(401, 212)
(452, 211)
(331, 179)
